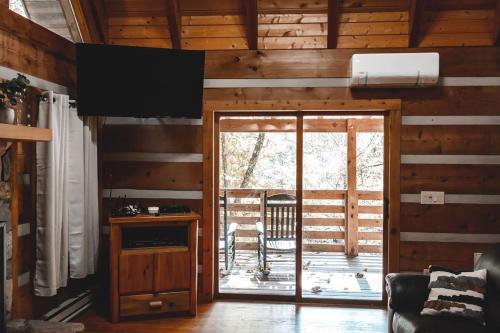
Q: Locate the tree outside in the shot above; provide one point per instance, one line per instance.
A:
(267, 160)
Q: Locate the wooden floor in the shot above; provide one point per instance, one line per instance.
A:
(336, 275)
(251, 317)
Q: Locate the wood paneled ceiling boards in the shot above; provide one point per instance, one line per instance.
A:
(301, 24)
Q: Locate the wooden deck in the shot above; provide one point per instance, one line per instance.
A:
(335, 274)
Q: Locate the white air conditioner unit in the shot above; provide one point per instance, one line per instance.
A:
(394, 70)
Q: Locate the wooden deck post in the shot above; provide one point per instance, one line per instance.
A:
(261, 205)
(351, 245)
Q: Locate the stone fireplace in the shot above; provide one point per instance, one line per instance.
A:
(2, 277)
(5, 241)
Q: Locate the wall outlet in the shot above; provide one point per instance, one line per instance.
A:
(476, 257)
(431, 198)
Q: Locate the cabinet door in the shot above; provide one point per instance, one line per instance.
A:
(173, 271)
(136, 273)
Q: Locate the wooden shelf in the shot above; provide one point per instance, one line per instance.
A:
(176, 217)
(158, 249)
(24, 133)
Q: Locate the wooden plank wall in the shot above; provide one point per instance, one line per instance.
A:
(160, 158)
(164, 158)
(454, 231)
(32, 49)
(27, 47)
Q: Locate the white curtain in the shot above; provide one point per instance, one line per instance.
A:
(67, 194)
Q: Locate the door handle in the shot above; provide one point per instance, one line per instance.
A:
(386, 208)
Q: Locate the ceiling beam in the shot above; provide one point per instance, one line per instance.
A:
(101, 17)
(174, 22)
(496, 32)
(71, 21)
(251, 17)
(333, 23)
(92, 20)
(415, 18)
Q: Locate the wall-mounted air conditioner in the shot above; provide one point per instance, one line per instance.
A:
(394, 70)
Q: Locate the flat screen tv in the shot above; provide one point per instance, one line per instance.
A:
(128, 81)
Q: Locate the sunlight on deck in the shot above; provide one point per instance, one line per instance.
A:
(336, 275)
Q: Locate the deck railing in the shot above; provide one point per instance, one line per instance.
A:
(327, 226)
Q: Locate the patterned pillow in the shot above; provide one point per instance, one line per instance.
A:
(456, 294)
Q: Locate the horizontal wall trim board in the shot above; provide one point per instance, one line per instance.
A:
(151, 194)
(405, 120)
(276, 83)
(450, 120)
(450, 159)
(481, 199)
(153, 157)
(8, 73)
(448, 237)
(333, 82)
(468, 81)
(151, 121)
(23, 229)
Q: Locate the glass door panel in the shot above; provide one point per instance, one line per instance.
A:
(257, 182)
(342, 185)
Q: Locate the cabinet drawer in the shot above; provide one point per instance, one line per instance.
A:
(154, 303)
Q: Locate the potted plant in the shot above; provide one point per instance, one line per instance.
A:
(12, 93)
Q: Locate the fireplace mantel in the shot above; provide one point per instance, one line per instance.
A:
(24, 133)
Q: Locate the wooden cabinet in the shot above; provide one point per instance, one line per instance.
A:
(136, 273)
(153, 266)
(173, 271)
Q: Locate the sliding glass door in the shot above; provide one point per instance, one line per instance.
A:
(300, 206)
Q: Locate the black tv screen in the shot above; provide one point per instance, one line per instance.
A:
(128, 81)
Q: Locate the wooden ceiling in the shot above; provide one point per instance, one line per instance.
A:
(293, 24)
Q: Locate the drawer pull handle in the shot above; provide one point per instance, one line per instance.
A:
(155, 304)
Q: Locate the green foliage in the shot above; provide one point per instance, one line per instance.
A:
(13, 91)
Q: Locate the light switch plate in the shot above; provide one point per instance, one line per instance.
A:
(477, 255)
(431, 198)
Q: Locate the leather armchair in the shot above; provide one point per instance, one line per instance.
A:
(408, 292)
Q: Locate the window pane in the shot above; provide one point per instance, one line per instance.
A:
(48, 13)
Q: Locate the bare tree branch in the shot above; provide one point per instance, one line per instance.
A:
(253, 160)
(224, 158)
(370, 166)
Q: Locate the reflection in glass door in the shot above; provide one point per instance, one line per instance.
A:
(257, 205)
(343, 177)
